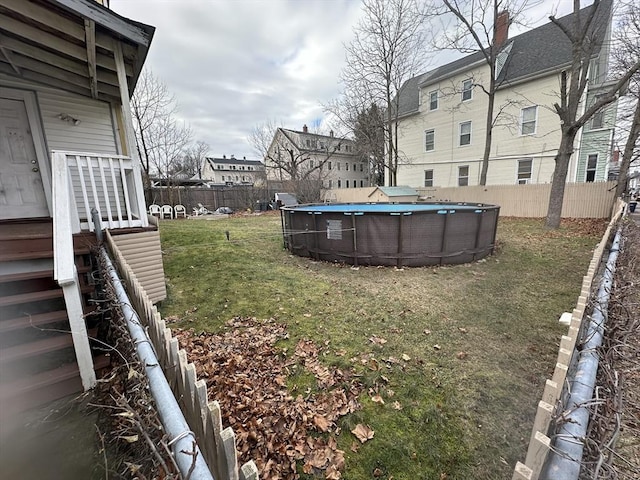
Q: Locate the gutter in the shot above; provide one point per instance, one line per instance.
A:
(182, 440)
(565, 458)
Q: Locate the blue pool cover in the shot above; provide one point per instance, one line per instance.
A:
(380, 207)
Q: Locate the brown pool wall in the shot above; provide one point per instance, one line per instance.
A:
(451, 234)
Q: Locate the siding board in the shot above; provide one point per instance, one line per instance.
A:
(142, 252)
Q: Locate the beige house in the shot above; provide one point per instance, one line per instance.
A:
(329, 159)
(442, 121)
(233, 171)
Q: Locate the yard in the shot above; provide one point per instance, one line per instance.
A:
(448, 362)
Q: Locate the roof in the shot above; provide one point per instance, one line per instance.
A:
(543, 49)
(396, 191)
(317, 136)
(72, 45)
(234, 161)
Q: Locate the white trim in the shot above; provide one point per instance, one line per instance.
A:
(462, 92)
(529, 180)
(460, 133)
(535, 121)
(437, 92)
(425, 139)
(586, 167)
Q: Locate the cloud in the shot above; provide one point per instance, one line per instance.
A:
(235, 64)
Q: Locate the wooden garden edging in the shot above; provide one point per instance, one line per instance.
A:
(218, 445)
(553, 394)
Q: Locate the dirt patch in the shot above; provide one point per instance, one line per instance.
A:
(251, 377)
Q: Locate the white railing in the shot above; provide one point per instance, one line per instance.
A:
(112, 184)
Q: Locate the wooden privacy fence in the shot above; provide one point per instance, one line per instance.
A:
(237, 197)
(552, 396)
(581, 200)
(218, 445)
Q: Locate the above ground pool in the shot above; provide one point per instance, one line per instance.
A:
(398, 234)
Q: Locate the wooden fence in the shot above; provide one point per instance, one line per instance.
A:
(237, 197)
(581, 200)
(552, 396)
(218, 445)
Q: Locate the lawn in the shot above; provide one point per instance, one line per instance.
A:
(464, 349)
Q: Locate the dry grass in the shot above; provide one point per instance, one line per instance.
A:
(466, 348)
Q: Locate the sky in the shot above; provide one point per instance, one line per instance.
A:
(235, 64)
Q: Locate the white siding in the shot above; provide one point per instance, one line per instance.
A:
(94, 134)
(508, 145)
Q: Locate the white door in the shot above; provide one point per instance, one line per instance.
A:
(21, 189)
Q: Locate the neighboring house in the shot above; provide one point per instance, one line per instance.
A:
(232, 171)
(443, 114)
(329, 159)
(67, 71)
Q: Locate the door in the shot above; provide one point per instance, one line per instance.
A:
(21, 190)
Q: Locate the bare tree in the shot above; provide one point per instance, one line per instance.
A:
(388, 48)
(150, 103)
(168, 139)
(627, 49)
(194, 158)
(585, 30)
(482, 26)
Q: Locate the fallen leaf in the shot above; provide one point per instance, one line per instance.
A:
(377, 340)
(321, 422)
(462, 329)
(426, 331)
(461, 355)
(377, 399)
(130, 438)
(437, 347)
(354, 447)
(363, 432)
(406, 357)
(397, 405)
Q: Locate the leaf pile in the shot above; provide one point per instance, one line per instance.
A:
(247, 373)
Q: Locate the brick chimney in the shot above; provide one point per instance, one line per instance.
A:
(331, 133)
(305, 129)
(501, 29)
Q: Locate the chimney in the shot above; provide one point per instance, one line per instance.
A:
(305, 129)
(501, 29)
(331, 133)
(233, 156)
(224, 157)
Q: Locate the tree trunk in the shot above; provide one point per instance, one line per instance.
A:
(554, 212)
(634, 134)
(489, 133)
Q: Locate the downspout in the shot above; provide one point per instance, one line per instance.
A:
(181, 439)
(566, 456)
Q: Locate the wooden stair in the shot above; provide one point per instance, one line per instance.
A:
(37, 358)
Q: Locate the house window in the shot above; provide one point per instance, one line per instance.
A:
(338, 165)
(308, 143)
(465, 133)
(310, 163)
(463, 176)
(428, 178)
(354, 167)
(525, 166)
(346, 166)
(429, 140)
(361, 167)
(361, 183)
(598, 120)
(467, 89)
(219, 167)
(329, 165)
(346, 183)
(330, 183)
(528, 120)
(223, 178)
(433, 100)
(339, 183)
(592, 165)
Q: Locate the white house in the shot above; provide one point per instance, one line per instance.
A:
(232, 171)
(442, 112)
(329, 159)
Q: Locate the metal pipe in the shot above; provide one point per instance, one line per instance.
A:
(181, 438)
(565, 458)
